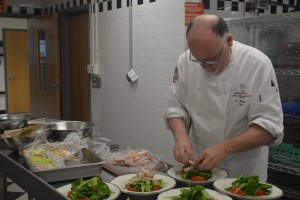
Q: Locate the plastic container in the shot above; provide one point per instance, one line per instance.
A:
(291, 109)
(285, 153)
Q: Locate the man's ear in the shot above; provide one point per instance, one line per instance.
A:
(229, 39)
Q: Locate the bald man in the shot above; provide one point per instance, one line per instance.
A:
(227, 93)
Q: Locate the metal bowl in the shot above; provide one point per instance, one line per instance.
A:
(62, 129)
(13, 121)
(18, 141)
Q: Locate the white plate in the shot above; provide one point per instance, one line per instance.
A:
(225, 183)
(121, 181)
(217, 173)
(115, 191)
(176, 192)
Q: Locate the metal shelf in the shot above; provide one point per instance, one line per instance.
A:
(285, 19)
(283, 167)
(281, 71)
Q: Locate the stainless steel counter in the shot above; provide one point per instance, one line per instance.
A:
(13, 166)
(32, 184)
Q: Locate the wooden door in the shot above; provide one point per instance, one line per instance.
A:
(74, 31)
(80, 79)
(44, 66)
(17, 71)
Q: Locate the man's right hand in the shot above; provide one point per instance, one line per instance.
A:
(183, 150)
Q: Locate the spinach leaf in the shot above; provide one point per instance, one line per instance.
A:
(94, 189)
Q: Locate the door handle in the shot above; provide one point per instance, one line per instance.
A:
(11, 77)
(53, 85)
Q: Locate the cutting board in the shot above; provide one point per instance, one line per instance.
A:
(122, 170)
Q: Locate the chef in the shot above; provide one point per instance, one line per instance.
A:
(227, 93)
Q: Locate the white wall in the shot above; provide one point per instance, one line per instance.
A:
(8, 23)
(132, 114)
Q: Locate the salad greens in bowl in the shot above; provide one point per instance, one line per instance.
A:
(91, 189)
(247, 188)
(144, 183)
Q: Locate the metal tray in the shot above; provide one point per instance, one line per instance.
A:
(90, 166)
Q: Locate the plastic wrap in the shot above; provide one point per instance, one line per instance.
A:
(41, 159)
(98, 145)
(51, 155)
(133, 159)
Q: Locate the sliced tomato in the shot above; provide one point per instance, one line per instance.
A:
(197, 178)
(132, 189)
(156, 187)
(69, 194)
(238, 191)
(260, 193)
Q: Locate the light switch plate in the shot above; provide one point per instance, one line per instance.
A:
(96, 82)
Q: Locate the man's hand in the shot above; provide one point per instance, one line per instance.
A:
(183, 150)
(210, 157)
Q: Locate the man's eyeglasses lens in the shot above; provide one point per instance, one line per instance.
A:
(208, 62)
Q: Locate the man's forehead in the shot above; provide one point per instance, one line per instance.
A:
(202, 36)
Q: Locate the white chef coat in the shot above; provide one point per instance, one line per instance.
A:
(224, 105)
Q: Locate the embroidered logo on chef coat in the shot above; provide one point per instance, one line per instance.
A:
(241, 95)
(175, 75)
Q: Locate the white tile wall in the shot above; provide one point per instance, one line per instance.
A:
(132, 114)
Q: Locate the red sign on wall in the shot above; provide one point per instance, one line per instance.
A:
(3, 6)
(193, 9)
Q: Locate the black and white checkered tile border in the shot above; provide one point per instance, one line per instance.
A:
(276, 6)
(23, 10)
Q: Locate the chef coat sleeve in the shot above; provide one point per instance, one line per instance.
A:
(176, 100)
(266, 109)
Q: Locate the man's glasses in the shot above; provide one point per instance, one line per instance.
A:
(207, 61)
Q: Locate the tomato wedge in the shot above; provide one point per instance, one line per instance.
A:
(132, 189)
(238, 191)
(69, 194)
(197, 178)
(156, 187)
(260, 193)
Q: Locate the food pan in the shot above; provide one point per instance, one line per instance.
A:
(90, 165)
